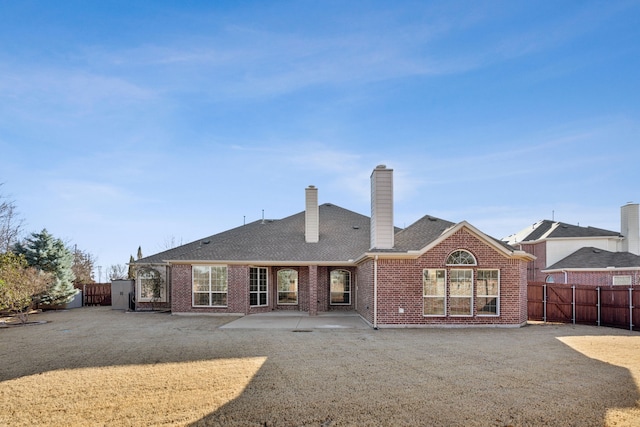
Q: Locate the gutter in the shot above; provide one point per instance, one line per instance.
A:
(375, 292)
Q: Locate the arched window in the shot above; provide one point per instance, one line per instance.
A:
(287, 287)
(549, 279)
(340, 283)
(461, 257)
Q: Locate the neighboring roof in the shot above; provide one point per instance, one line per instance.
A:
(594, 258)
(344, 237)
(547, 229)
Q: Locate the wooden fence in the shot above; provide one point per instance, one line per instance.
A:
(97, 294)
(617, 307)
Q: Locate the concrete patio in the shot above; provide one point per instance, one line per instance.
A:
(299, 321)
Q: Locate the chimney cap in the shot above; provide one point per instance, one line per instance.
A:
(311, 186)
(381, 167)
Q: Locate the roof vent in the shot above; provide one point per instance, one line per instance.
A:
(596, 251)
(356, 227)
(432, 218)
(206, 242)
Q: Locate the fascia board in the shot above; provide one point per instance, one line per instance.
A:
(587, 270)
(349, 263)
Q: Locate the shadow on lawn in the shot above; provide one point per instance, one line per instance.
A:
(556, 382)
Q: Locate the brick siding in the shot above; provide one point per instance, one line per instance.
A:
(399, 287)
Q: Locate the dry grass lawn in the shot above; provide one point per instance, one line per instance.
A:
(96, 366)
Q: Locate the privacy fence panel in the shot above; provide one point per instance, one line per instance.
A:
(604, 306)
(97, 294)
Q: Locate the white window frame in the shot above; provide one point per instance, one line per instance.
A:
(259, 292)
(453, 291)
(346, 284)
(211, 291)
(479, 295)
(461, 257)
(143, 275)
(425, 273)
(280, 286)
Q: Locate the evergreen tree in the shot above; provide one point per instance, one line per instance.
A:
(132, 268)
(49, 254)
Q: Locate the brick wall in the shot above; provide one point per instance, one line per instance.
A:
(400, 285)
(312, 281)
(594, 278)
(535, 267)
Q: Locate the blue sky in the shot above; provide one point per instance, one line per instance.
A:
(134, 123)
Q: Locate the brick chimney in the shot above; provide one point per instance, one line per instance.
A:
(630, 228)
(382, 230)
(311, 215)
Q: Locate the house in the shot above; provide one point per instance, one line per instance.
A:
(583, 255)
(327, 258)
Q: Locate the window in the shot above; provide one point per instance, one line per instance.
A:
(340, 287)
(209, 285)
(461, 257)
(434, 292)
(621, 280)
(258, 286)
(488, 292)
(151, 288)
(461, 292)
(549, 279)
(287, 287)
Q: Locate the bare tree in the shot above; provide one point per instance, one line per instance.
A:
(10, 224)
(83, 263)
(118, 272)
(171, 242)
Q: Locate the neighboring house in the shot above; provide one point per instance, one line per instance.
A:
(583, 255)
(327, 258)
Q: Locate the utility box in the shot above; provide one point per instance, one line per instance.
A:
(120, 290)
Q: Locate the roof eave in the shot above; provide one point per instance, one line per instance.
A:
(269, 263)
(586, 269)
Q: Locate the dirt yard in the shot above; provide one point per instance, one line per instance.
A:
(96, 366)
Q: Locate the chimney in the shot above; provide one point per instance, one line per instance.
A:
(630, 228)
(311, 215)
(382, 230)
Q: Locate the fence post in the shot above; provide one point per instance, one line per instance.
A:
(631, 309)
(544, 303)
(573, 304)
(598, 291)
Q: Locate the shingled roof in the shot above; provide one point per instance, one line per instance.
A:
(546, 229)
(344, 236)
(590, 258)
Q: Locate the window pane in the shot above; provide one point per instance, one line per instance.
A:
(219, 299)
(253, 299)
(434, 306)
(487, 305)
(200, 278)
(461, 258)
(340, 287)
(434, 282)
(263, 299)
(460, 306)
(287, 287)
(200, 299)
(461, 283)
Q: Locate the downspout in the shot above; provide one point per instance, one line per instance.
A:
(375, 292)
(565, 276)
